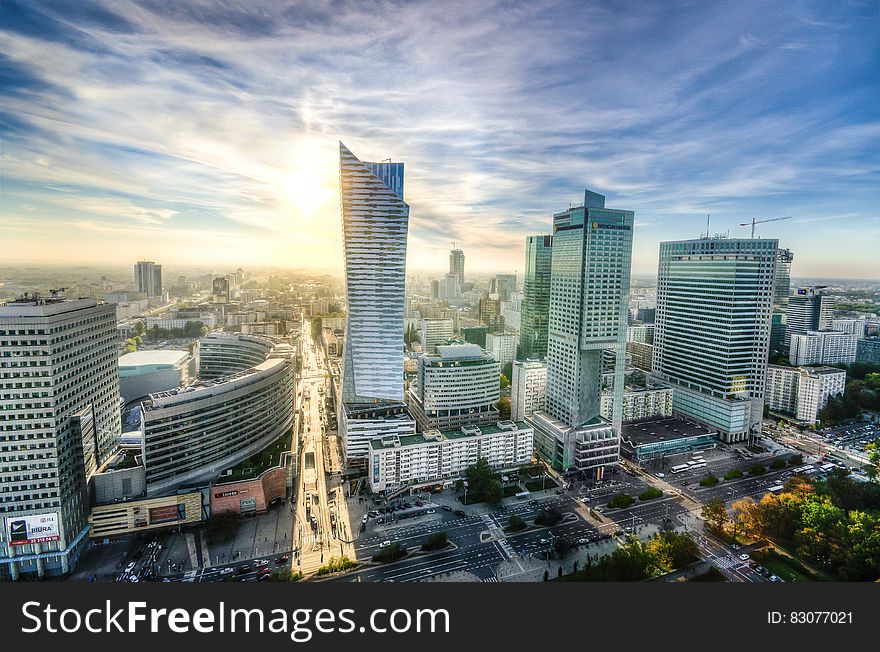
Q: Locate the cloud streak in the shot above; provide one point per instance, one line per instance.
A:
(203, 115)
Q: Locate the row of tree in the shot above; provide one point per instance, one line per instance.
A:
(635, 561)
(833, 524)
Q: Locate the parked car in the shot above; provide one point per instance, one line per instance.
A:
(446, 508)
(774, 578)
(744, 557)
(282, 559)
(431, 511)
(385, 544)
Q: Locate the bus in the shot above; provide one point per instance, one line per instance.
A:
(680, 468)
(522, 495)
(775, 488)
(698, 465)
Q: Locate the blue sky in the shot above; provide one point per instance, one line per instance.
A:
(203, 132)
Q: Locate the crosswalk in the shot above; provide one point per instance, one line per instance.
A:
(490, 579)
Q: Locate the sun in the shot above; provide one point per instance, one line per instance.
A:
(305, 191)
(308, 182)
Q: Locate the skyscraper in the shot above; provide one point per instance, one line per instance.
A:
(148, 278)
(712, 335)
(456, 264)
(59, 420)
(374, 232)
(589, 299)
(536, 297)
(781, 291)
(809, 309)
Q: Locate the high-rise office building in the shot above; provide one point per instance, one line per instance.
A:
(809, 309)
(781, 291)
(374, 228)
(59, 421)
(803, 391)
(589, 300)
(375, 221)
(503, 285)
(490, 313)
(536, 297)
(712, 334)
(148, 278)
(456, 264)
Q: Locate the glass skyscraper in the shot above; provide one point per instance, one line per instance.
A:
(536, 297)
(374, 229)
(781, 291)
(712, 334)
(589, 299)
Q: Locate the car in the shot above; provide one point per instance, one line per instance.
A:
(543, 542)
(241, 570)
(282, 559)
(583, 540)
(446, 508)
(458, 512)
(419, 503)
(380, 520)
(225, 571)
(365, 518)
(261, 562)
(533, 502)
(372, 513)
(363, 527)
(683, 482)
(774, 578)
(559, 491)
(130, 567)
(431, 511)
(744, 557)
(660, 475)
(133, 578)
(385, 544)
(264, 571)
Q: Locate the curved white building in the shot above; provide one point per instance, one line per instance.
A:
(221, 354)
(192, 434)
(457, 386)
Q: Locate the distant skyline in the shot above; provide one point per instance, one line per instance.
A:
(206, 134)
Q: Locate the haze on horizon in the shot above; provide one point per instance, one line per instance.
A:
(204, 133)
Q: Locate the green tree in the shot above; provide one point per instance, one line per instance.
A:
(505, 383)
(715, 515)
(515, 523)
(436, 541)
(562, 545)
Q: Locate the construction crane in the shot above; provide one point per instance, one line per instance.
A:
(755, 220)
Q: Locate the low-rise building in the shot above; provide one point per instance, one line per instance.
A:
(641, 441)
(435, 455)
(802, 391)
(157, 370)
(640, 403)
(822, 347)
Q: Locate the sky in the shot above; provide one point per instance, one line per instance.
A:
(207, 132)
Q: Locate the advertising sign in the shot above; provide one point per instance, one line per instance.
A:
(33, 528)
(164, 514)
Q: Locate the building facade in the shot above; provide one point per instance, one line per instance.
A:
(528, 388)
(536, 297)
(712, 334)
(59, 420)
(502, 346)
(809, 309)
(396, 461)
(589, 302)
(641, 403)
(436, 332)
(822, 347)
(193, 434)
(781, 292)
(868, 350)
(151, 371)
(803, 391)
(457, 386)
(148, 278)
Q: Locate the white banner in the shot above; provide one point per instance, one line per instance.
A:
(33, 528)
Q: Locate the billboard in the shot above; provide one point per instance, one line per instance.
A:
(33, 528)
(167, 513)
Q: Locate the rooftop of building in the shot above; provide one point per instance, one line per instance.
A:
(465, 432)
(39, 306)
(447, 352)
(153, 357)
(653, 431)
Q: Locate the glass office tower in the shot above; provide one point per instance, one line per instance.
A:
(712, 334)
(589, 295)
(536, 297)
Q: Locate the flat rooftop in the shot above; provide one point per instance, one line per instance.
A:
(653, 431)
(458, 351)
(448, 435)
(153, 357)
